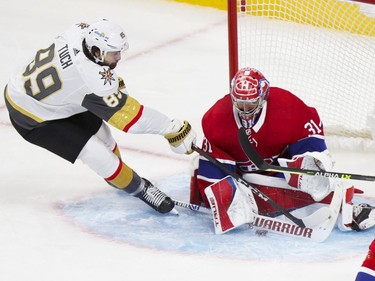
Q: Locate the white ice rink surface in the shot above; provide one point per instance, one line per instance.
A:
(177, 63)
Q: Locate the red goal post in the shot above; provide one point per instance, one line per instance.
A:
(321, 50)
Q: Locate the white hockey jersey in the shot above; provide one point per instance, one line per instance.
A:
(61, 81)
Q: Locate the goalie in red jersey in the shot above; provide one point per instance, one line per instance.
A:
(284, 131)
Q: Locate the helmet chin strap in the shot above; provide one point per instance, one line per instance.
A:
(89, 55)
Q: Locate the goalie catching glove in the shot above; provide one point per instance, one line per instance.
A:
(318, 187)
(181, 137)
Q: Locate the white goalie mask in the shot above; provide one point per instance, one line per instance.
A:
(249, 90)
(107, 37)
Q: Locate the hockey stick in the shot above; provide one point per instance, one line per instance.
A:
(253, 155)
(254, 190)
(318, 232)
(310, 220)
(192, 207)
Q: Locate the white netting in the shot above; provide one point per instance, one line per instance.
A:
(321, 50)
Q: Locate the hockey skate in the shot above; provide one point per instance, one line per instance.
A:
(155, 198)
(363, 217)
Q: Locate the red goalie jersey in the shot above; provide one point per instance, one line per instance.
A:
(285, 126)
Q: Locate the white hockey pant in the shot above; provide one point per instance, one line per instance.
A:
(98, 154)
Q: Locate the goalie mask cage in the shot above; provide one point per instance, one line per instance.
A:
(321, 50)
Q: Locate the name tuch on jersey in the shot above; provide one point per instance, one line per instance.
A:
(64, 57)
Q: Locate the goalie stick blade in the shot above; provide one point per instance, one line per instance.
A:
(324, 229)
(253, 155)
(322, 221)
(319, 225)
(318, 217)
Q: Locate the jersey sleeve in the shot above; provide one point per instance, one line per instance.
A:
(311, 134)
(151, 121)
(104, 97)
(118, 109)
(126, 113)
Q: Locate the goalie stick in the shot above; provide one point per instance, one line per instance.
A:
(316, 231)
(297, 221)
(253, 155)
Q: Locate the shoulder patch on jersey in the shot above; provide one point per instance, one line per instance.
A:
(83, 25)
(107, 76)
(100, 80)
(121, 83)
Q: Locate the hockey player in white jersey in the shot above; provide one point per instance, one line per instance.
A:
(63, 98)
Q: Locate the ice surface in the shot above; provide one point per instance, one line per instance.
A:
(191, 232)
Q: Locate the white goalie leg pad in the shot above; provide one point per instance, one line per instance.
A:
(232, 204)
(318, 187)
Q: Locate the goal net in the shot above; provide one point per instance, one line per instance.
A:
(321, 50)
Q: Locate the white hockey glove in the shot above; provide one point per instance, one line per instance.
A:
(180, 137)
(232, 204)
(318, 187)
